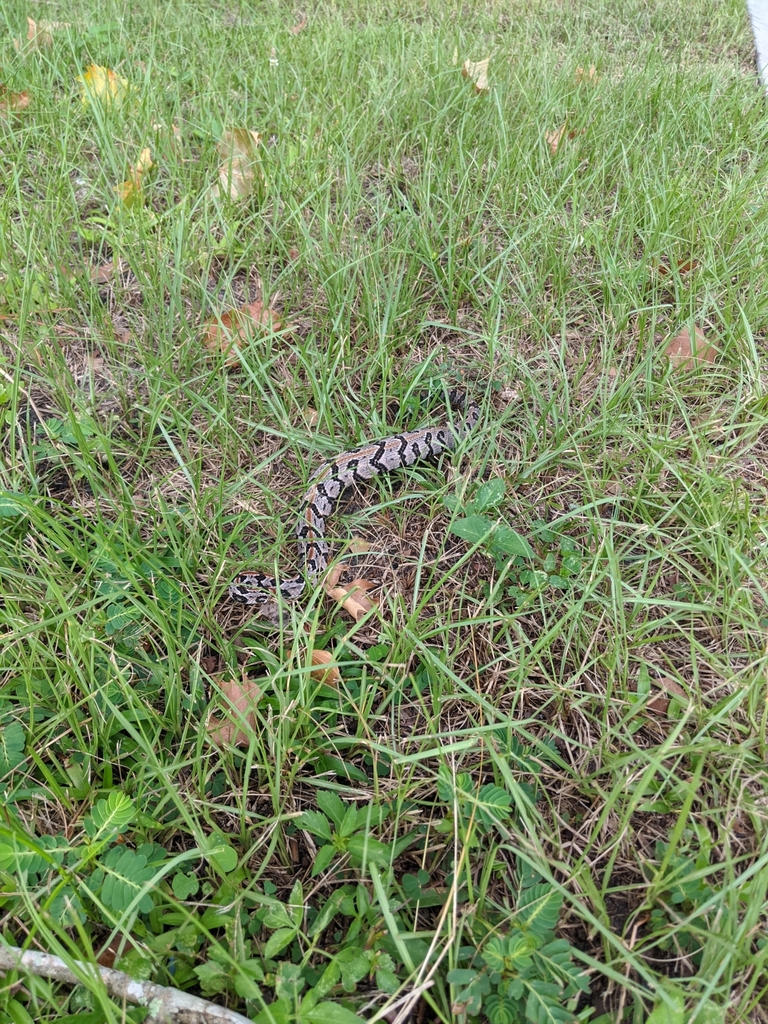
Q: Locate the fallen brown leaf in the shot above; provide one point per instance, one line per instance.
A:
(238, 325)
(685, 354)
(477, 71)
(659, 703)
(683, 267)
(300, 26)
(239, 149)
(353, 597)
(104, 272)
(590, 76)
(38, 36)
(554, 138)
(243, 695)
(12, 102)
(326, 672)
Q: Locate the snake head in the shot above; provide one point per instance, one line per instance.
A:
(250, 588)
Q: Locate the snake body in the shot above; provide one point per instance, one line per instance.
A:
(326, 484)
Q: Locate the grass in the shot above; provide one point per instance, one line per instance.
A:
(529, 768)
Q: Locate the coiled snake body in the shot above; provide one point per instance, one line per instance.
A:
(327, 483)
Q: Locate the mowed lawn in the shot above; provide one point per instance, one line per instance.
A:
(513, 767)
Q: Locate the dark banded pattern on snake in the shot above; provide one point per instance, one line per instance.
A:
(326, 484)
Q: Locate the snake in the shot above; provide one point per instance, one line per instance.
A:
(357, 465)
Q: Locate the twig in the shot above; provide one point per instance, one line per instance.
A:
(166, 1005)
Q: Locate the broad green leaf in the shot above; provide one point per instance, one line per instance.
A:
(327, 913)
(490, 494)
(221, 855)
(11, 505)
(461, 976)
(333, 806)
(332, 1013)
(316, 823)
(279, 1012)
(296, 904)
(212, 977)
(348, 822)
(473, 528)
(354, 965)
(363, 847)
(323, 858)
(184, 886)
(278, 916)
(278, 940)
(510, 542)
(671, 1011)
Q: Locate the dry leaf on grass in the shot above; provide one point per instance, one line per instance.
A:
(326, 671)
(685, 354)
(104, 86)
(659, 703)
(300, 26)
(553, 139)
(590, 76)
(240, 170)
(12, 102)
(243, 695)
(683, 267)
(104, 272)
(477, 71)
(352, 596)
(39, 34)
(130, 191)
(238, 325)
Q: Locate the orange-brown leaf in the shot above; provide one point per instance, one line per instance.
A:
(12, 102)
(243, 695)
(300, 26)
(238, 325)
(685, 353)
(683, 267)
(353, 597)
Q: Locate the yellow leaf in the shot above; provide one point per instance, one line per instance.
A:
(131, 190)
(104, 86)
(478, 72)
(239, 150)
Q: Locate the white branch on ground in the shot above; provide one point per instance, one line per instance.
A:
(166, 1005)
